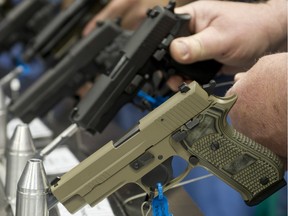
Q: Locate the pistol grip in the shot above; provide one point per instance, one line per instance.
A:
(250, 168)
(271, 181)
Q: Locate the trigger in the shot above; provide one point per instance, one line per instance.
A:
(163, 173)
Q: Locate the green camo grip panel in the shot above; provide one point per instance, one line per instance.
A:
(253, 170)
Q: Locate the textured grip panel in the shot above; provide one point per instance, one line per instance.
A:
(242, 163)
(259, 148)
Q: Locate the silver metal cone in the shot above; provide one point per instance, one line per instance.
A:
(3, 123)
(18, 152)
(32, 190)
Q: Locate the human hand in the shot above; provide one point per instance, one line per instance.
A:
(233, 33)
(261, 109)
(132, 12)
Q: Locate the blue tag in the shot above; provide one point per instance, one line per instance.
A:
(160, 205)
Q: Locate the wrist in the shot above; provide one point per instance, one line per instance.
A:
(278, 27)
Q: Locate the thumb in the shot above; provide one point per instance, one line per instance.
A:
(201, 46)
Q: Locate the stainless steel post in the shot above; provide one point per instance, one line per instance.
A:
(32, 190)
(19, 151)
(3, 108)
(3, 123)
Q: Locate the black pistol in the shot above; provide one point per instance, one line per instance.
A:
(146, 52)
(25, 20)
(78, 67)
(63, 32)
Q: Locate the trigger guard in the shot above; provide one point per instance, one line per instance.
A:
(171, 184)
(179, 178)
(163, 174)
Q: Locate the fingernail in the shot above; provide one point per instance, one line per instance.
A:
(182, 48)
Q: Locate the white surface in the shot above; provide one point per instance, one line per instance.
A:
(62, 160)
(101, 209)
(37, 128)
(59, 161)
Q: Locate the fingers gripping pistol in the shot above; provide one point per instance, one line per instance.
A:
(192, 125)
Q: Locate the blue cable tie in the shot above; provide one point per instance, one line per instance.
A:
(160, 205)
(154, 102)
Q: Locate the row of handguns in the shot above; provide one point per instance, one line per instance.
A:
(118, 62)
(44, 27)
(191, 124)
